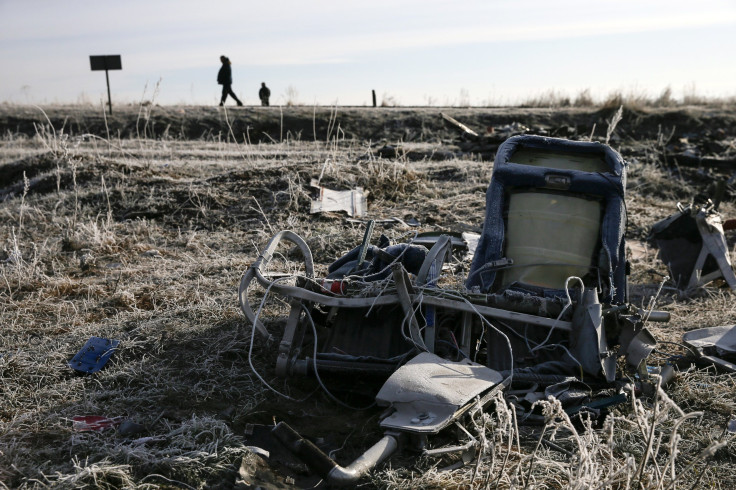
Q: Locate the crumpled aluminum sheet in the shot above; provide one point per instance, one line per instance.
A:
(428, 390)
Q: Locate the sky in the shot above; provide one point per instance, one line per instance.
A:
(325, 52)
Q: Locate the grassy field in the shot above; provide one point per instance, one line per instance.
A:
(138, 228)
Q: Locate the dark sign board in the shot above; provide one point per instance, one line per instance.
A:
(106, 62)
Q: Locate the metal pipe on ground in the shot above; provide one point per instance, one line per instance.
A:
(333, 473)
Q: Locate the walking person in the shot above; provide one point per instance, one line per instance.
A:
(264, 94)
(225, 78)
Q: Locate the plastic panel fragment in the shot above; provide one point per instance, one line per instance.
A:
(94, 355)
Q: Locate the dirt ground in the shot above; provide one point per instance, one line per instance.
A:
(138, 226)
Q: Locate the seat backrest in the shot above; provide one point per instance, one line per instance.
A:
(556, 209)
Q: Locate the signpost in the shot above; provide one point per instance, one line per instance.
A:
(106, 62)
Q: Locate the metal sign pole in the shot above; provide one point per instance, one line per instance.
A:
(109, 98)
(106, 62)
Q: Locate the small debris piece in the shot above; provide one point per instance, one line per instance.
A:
(352, 201)
(640, 347)
(720, 341)
(715, 345)
(94, 355)
(130, 428)
(365, 244)
(89, 423)
(458, 124)
(429, 238)
(259, 451)
(409, 222)
(151, 253)
(599, 404)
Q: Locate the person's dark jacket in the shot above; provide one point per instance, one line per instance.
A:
(264, 93)
(225, 75)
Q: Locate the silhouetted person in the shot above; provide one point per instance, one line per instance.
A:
(225, 78)
(264, 94)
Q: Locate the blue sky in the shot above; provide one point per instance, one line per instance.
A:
(414, 52)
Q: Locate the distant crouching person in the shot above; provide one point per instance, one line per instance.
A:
(225, 78)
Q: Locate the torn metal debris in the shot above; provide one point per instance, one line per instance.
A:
(428, 393)
(543, 310)
(692, 245)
